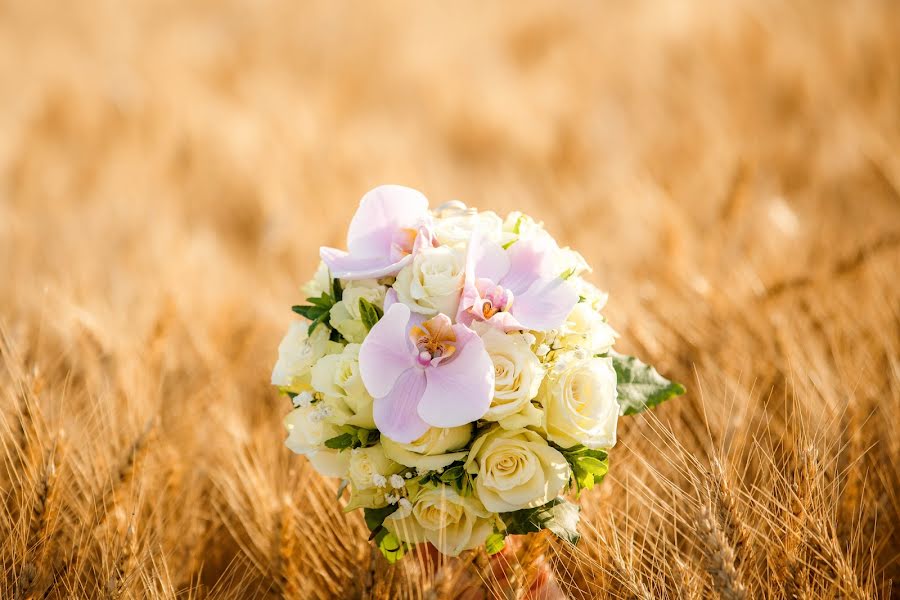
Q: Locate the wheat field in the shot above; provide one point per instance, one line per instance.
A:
(169, 169)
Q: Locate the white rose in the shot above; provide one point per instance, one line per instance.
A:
(371, 468)
(516, 469)
(592, 295)
(329, 463)
(345, 316)
(520, 225)
(432, 283)
(579, 400)
(298, 352)
(319, 284)
(572, 263)
(585, 328)
(452, 523)
(436, 449)
(307, 431)
(517, 372)
(337, 377)
(455, 227)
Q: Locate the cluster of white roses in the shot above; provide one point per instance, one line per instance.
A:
(459, 377)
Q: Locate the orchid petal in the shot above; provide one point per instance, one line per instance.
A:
(545, 305)
(383, 211)
(506, 322)
(395, 413)
(346, 266)
(529, 260)
(386, 352)
(415, 319)
(488, 259)
(484, 260)
(459, 390)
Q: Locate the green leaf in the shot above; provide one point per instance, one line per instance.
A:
(452, 474)
(324, 301)
(337, 292)
(369, 313)
(640, 386)
(363, 436)
(340, 442)
(390, 546)
(495, 543)
(589, 467)
(559, 516)
(308, 312)
(375, 516)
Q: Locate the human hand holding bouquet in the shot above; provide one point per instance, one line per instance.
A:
(457, 374)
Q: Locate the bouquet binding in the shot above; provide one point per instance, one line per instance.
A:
(455, 371)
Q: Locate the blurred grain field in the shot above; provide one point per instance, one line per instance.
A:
(169, 169)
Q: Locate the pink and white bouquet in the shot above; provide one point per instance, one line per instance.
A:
(455, 371)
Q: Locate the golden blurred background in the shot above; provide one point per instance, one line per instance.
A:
(169, 169)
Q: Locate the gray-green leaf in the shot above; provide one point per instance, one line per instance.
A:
(640, 386)
(558, 515)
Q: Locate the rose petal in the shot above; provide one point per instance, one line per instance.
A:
(545, 305)
(395, 414)
(386, 352)
(459, 390)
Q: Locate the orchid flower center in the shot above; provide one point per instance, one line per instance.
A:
(402, 243)
(435, 338)
(495, 299)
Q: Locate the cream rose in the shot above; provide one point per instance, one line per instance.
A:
(345, 316)
(297, 353)
(436, 449)
(307, 431)
(452, 523)
(455, 226)
(579, 400)
(319, 284)
(371, 468)
(517, 372)
(516, 469)
(432, 283)
(337, 377)
(585, 328)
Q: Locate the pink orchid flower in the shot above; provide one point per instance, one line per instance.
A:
(391, 223)
(515, 288)
(424, 374)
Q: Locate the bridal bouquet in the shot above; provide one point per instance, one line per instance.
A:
(455, 371)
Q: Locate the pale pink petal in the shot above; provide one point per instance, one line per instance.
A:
(459, 390)
(395, 414)
(484, 260)
(346, 266)
(386, 352)
(383, 211)
(545, 305)
(488, 258)
(505, 321)
(529, 260)
(415, 319)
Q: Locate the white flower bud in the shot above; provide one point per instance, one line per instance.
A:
(302, 400)
(396, 481)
